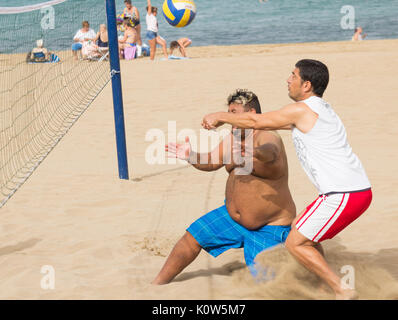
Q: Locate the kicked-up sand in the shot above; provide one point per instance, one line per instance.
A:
(105, 238)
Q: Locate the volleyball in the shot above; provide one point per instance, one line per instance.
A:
(179, 13)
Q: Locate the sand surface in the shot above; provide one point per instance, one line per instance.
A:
(107, 238)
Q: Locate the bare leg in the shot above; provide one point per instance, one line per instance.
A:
(152, 45)
(162, 42)
(310, 254)
(138, 29)
(121, 48)
(319, 247)
(74, 55)
(184, 252)
(182, 52)
(187, 43)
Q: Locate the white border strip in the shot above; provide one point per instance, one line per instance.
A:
(11, 10)
(336, 216)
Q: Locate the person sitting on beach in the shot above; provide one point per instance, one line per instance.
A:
(129, 40)
(132, 12)
(101, 40)
(39, 54)
(82, 35)
(358, 36)
(258, 209)
(152, 31)
(181, 44)
(92, 48)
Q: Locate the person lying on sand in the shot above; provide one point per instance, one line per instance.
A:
(320, 140)
(258, 209)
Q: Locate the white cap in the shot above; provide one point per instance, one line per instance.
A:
(39, 43)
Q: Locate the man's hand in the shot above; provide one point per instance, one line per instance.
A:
(211, 121)
(179, 150)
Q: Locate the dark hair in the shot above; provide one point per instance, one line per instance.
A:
(127, 1)
(174, 44)
(315, 72)
(247, 98)
(153, 9)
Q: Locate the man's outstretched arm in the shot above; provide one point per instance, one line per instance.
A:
(284, 118)
(211, 161)
(205, 161)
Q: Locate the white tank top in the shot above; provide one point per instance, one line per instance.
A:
(151, 23)
(325, 154)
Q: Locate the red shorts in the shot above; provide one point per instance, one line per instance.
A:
(329, 214)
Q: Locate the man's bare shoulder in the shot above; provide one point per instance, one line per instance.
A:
(267, 137)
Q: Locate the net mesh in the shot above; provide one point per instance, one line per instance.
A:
(39, 102)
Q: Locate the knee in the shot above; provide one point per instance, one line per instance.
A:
(76, 46)
(291, 244)
(191, 242)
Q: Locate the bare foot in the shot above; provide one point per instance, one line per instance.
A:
(158, 282)
(347, 294)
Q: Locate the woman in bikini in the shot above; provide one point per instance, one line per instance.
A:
(180, 44)
(132, 12)
(129, 39)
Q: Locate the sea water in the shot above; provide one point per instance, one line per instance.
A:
(218, 22)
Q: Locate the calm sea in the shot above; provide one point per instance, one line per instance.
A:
(218, 22)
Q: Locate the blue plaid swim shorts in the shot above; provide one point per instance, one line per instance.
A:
(216, 232)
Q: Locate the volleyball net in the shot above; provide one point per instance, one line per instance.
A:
(44, 89)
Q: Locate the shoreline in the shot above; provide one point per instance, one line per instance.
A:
(255, 49)
(260, 46)
(298, 43)
(273, 47)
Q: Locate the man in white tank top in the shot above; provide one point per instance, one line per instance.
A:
(321, 145)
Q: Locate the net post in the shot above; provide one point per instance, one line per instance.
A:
(117, 90)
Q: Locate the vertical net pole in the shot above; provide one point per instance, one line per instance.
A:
(117, 90)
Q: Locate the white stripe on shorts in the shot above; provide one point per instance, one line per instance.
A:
(309, 212)
(324, 217)
(334, 218)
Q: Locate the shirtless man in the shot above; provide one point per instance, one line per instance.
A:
(129, 39)
(258, 209)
